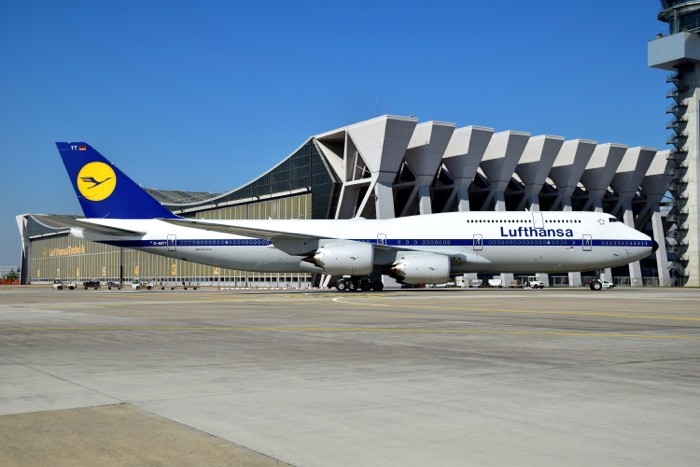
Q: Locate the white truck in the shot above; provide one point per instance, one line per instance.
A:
(138, 285)
(59, 285)
(533, 283)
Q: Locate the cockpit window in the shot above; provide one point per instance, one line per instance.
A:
(612, 219)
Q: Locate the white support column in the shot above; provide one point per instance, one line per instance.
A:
(575, 279)
(378, 145)
(661, 255)
(654, 185)
(568, 168)
(636, 279)
(462, 157)
(600, 171)
(500, 159)
(534, 166)
(424, 155)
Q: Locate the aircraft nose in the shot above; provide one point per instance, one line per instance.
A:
(654, 246)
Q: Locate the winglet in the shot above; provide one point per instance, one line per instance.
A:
(103, 190)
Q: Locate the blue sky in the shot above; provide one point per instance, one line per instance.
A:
(208, 95)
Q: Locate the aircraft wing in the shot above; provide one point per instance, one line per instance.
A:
(295, 243)
(239, 230)
(57, 221)
(280, 238)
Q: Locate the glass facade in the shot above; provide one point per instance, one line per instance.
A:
(681, 15)
(304, 170)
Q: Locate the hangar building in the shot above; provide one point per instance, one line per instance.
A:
(388, 167)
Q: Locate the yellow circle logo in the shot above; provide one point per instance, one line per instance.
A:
(96, 181)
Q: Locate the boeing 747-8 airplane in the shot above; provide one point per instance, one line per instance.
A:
(418, 249)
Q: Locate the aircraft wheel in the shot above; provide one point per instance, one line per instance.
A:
(378, 286)
(341, 285)
(352, 286)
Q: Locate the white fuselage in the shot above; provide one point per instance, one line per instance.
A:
(475, 241)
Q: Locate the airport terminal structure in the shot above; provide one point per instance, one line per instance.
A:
(393, 166)
(679, 54)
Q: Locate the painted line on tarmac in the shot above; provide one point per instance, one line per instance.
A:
(371, 330)
(524, 312)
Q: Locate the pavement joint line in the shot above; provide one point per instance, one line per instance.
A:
(349, 301)
(71, 382)
(541, 312)
(342, 329)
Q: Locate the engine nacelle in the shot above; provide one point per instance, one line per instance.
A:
(345, 258)
(426, 268)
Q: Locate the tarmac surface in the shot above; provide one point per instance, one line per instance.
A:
(412, 378)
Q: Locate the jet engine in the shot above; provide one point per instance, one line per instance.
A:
(345, 258)
(421, 269)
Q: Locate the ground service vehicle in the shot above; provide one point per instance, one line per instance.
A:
(533, 283)
(58, 284)
(495, 283)
(138, 285)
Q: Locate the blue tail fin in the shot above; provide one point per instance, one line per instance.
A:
(105, 191)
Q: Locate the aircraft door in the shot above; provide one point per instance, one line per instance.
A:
(381, 239)
(172, 242)
(478, 242)
(587, 243)
(537, 220)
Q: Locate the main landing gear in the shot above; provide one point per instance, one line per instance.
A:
(353, 284)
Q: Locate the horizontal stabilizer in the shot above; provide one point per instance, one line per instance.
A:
(56, 221)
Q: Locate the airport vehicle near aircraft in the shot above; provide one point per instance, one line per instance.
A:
(136, 284)
(58, 284)
(533, 282)
(425, 249)
(599, 283)
(91, 284)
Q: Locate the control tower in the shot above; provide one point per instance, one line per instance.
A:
(679, 53)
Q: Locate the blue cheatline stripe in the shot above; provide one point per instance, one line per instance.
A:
(460, 242)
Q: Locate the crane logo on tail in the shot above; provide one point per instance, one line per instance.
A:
(96, 181)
